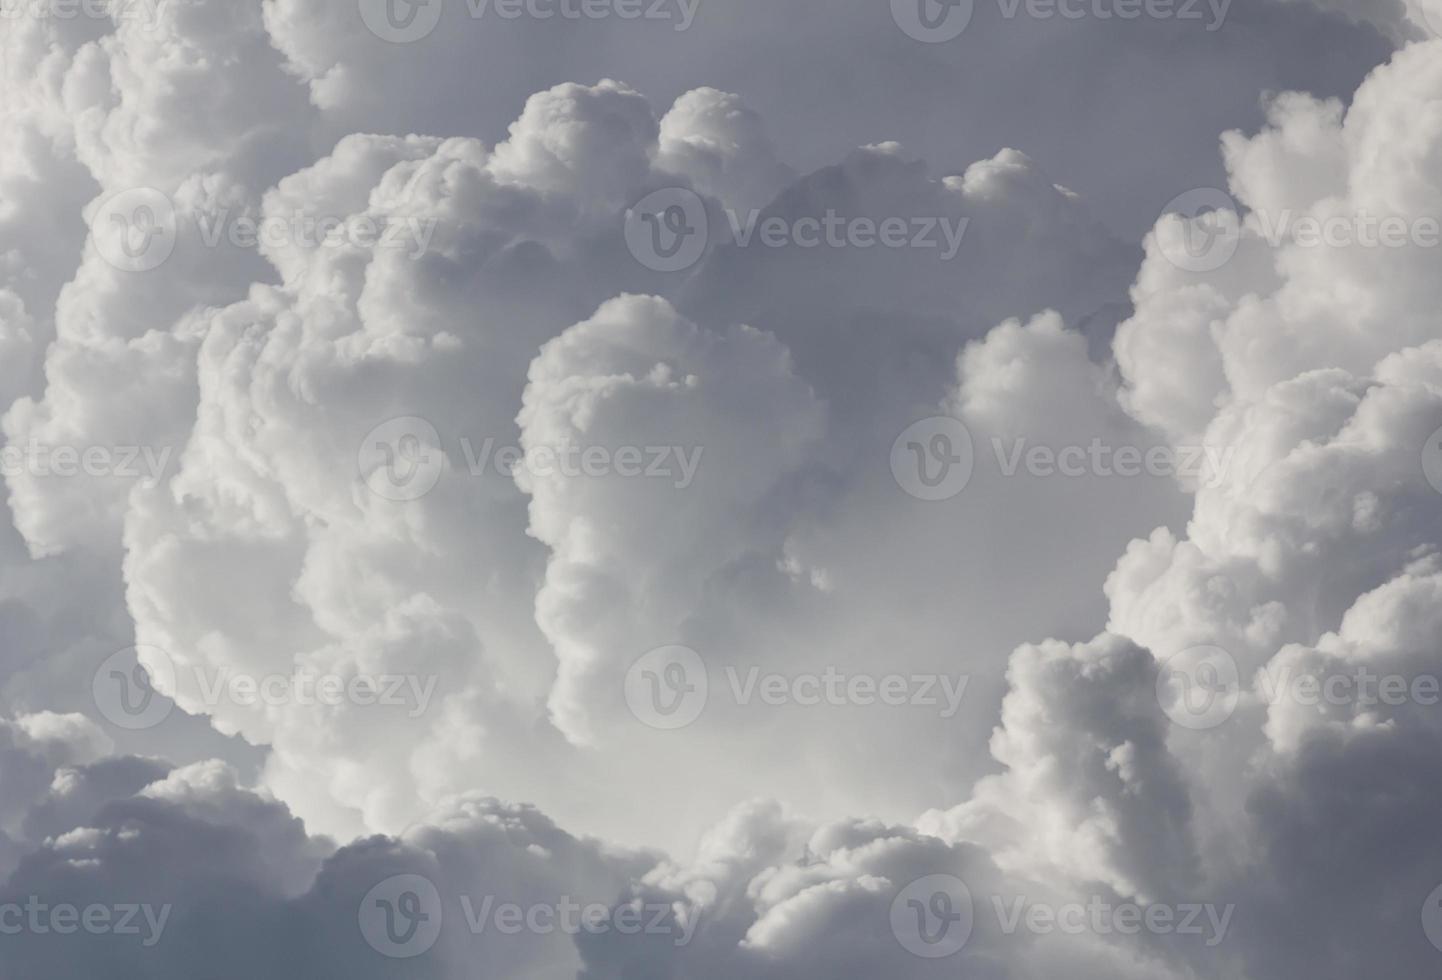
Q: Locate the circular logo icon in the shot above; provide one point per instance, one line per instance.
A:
(401, 917)
(1432, 460)
(933, 916)
(668, 688)
(1432, 918)
(129, 687)
(933, 21)
(135, 230)
(1201, 230)
(934, 458)
(401, 21)
(1199, 688)
(667, 231)
(401, 460)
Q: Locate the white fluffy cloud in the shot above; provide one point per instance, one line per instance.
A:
(475, 307)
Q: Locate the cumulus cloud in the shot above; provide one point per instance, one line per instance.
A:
(401, 476)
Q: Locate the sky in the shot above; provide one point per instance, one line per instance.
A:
(698, 489)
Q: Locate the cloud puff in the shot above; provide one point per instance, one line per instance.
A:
(338, 501)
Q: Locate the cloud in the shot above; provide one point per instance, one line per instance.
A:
(427, 464)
